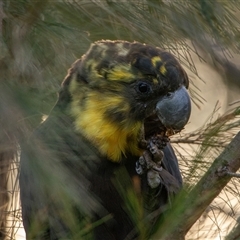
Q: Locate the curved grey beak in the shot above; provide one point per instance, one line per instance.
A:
(174, 109)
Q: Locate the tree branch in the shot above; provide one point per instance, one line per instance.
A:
(189, 206)
(235, 232)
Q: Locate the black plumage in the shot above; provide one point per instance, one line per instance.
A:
(71, 190)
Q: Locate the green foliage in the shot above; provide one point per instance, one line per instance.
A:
(39, 40)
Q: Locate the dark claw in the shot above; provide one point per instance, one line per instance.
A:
(150, 163)
(139, 168)
(156, 152)
(141, 160)
(153, 178)
(157, 168)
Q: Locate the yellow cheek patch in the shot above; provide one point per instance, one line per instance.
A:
(116, 141)
(163, 70)
(155, 81)
(113, 139)
(120, 73)
(156, 60)
(93, 73)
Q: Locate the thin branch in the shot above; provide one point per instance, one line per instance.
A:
(237, 175)
(235, 233)
(190, 206)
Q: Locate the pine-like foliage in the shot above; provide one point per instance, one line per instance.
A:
(40, 39)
